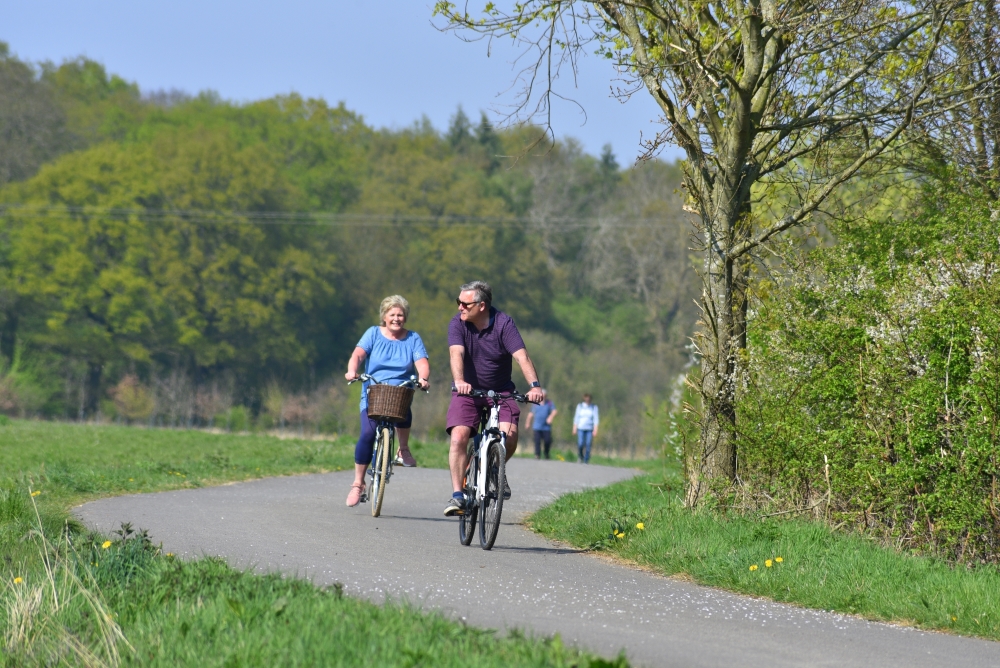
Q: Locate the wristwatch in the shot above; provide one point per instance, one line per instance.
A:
(535, 384)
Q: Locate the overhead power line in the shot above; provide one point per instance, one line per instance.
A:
(202, 216)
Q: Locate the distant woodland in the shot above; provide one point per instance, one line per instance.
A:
(182, 260)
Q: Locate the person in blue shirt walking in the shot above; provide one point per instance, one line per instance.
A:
(542, 416)
(585, 422)
(394, 354)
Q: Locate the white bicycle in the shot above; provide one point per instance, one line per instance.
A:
(486, 475)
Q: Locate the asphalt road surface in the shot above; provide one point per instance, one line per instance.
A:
(299, 525)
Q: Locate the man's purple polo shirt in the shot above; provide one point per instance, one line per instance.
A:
(487, 353)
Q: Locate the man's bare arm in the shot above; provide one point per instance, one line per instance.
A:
(528, 369)
(457, 356)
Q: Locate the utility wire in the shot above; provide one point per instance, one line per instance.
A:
(319, 219)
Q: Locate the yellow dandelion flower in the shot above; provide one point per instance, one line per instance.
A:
(768, 563)
(36, 492)
(131, 479)
(753, 567)
(170, 554)
(778, 559)
(954, 619)
(640, 526)
(106, 544)
(18, 581)
(620, 534)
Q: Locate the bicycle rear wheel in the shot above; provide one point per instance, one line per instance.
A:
(492, 503)
(383, 447)
(467, 520)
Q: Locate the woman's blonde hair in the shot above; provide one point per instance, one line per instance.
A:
(391, 302)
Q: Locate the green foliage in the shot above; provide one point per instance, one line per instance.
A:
(33, 127)
(819, 567)
(209, 250)
(109, 286)
(885, 365)
(24, 388)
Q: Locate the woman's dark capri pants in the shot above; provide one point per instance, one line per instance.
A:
(369, 430)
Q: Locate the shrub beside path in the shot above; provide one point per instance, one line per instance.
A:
(299, 525)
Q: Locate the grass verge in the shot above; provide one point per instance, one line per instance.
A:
(643, 521)
(71, 597)
(73, 463)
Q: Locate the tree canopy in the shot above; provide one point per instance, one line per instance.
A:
(185, 241)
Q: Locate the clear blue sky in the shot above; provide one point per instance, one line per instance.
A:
(384, 60)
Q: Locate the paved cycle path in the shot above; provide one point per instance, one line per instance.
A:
(300, 525)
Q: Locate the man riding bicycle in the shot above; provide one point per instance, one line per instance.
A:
(482, 341)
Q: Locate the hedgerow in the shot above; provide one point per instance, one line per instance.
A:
(871, 390)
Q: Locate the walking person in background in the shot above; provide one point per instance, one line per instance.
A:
(394, 353)
(585, 422)
(540, 418)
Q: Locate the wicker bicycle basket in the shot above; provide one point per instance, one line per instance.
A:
(389, 402)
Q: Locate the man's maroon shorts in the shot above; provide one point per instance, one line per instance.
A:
(464, 411)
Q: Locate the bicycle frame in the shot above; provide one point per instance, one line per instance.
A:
(379, 426)
(491, 428)
(485, 478)
(489, 425)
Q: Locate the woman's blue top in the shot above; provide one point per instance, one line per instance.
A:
(390, 361)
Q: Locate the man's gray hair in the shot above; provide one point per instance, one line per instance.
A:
(484, 293)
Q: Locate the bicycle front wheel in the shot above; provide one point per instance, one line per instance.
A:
(492, 504)
(467, 520)
(383, 451)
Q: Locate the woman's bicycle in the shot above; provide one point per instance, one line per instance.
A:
(486, 475)
(388, 405)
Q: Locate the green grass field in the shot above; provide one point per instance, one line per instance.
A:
(71, 597)
(643, 521)
(72, 463)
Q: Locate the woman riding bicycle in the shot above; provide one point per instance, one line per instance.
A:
(394, 354)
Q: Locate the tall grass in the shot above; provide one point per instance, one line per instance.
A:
(56, 614)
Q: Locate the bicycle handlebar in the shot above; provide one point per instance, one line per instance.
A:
(498, 396)
(412, 383)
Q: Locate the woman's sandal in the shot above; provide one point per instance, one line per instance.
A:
(405, 458)
(356, 495)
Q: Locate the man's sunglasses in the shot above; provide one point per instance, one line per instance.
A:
(466, 305)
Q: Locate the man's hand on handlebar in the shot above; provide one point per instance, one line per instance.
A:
(351, 375)
(461, 387)
(535, 395)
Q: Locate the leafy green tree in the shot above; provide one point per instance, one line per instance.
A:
(460, 132)
(98, 107)
(32, 124)
(490, 142)
(760, 96)
(130, 255)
